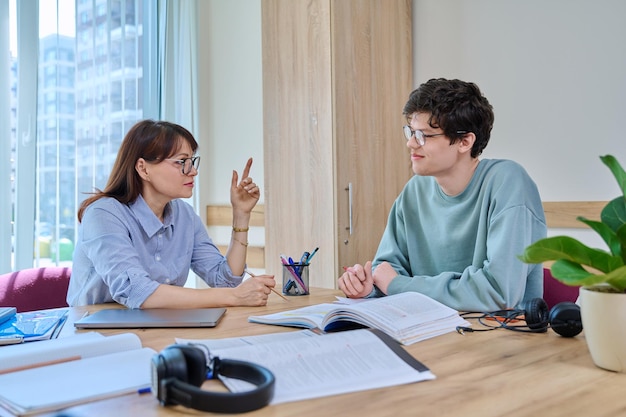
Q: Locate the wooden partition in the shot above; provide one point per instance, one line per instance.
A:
(563, 214)
(222, 216)
(559, 214)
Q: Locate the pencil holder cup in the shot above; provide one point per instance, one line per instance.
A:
(296, 279)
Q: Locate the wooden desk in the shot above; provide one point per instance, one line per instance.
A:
(496, 373)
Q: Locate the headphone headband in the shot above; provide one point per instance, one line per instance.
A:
(179, 371)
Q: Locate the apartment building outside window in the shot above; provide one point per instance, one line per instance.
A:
(89, 77)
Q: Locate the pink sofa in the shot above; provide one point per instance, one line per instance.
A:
(35, 288)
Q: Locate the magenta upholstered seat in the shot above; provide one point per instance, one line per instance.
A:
(35, 288)
(555, 292)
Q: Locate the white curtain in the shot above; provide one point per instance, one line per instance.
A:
(177, 82)
(177, 64)
(177, 56)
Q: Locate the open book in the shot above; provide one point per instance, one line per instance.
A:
(54, 374)
(407, 317)
(305, 363)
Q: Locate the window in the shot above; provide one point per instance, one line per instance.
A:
(79, 126)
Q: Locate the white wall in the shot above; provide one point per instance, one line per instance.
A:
(555, 72)
(231, 94)
(230, 101)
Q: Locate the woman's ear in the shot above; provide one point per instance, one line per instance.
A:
(141, 166)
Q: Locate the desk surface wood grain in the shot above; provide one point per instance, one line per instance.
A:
(494, 373)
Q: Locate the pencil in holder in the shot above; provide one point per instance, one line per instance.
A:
(296, 279)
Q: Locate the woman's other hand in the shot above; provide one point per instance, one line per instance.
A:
(244, 194)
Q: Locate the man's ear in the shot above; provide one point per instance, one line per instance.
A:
(466, 142)
(141, 166)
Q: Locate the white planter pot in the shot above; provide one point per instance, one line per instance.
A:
(604, 322)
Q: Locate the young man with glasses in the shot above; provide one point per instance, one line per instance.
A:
(137, 239)
(455, 231)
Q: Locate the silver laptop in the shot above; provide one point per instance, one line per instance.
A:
(120, 318)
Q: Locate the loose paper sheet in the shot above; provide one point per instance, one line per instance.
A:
(307, 365)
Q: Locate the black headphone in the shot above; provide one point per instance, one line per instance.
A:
(179, 370)
(564, 318)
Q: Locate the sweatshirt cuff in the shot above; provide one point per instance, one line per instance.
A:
(376, 293)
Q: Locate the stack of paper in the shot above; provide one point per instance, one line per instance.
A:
(54, 374)
(306, 365)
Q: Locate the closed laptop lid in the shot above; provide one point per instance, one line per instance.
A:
(117, 318)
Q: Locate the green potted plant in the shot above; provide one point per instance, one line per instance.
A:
(601, 274)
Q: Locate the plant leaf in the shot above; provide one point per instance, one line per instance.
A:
(617, 278)
(614, 213)
(617, 170)
(571, 273)
(565, 247)
(607, 234)
(621, 235)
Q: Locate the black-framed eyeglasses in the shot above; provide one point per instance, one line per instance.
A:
(420, 136)
(187, 163)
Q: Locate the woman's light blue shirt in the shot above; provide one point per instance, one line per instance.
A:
(124, 252)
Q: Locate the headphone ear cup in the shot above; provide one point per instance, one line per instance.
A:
(195, 364)
(172, 364)
(536, 315)
(565, 319)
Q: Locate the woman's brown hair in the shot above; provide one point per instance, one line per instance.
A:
(147, 139)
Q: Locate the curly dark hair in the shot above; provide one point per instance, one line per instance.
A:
(454, 106)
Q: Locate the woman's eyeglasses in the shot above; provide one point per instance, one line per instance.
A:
(187, 163)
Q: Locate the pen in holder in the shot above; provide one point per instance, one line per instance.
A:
(296, 279)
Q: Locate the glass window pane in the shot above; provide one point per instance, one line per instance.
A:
(85, 106)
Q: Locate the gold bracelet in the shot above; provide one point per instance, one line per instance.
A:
(240, 229)
(239, 241)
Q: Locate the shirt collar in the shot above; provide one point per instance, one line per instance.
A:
(149, 222)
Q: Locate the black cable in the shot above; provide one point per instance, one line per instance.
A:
(503, 318)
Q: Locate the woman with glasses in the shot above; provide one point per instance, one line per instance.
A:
(455, 231)
(137, 239)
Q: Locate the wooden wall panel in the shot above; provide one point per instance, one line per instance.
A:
(563, 214)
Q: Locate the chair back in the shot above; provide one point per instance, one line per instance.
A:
(35, 288)
(555, 291)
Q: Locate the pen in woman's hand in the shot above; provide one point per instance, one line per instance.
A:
(272, 289)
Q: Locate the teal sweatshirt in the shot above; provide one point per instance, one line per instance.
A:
(462, 250)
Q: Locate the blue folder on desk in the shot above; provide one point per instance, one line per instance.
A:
(33, 325)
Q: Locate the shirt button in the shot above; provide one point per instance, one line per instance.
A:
(158, 258)
(168, 280)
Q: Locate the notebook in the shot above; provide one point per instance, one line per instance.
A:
(116, 318)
